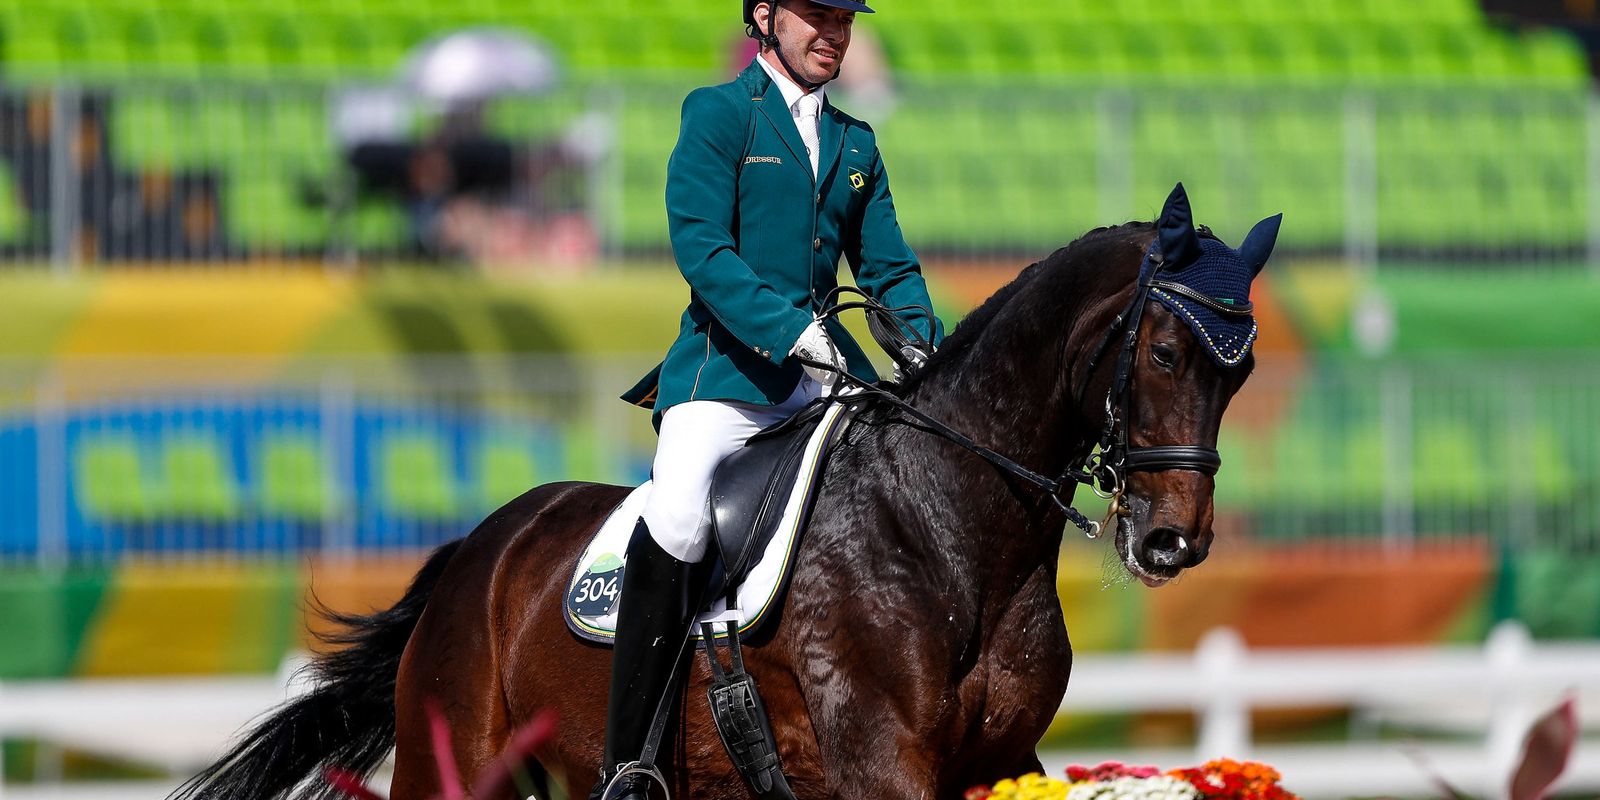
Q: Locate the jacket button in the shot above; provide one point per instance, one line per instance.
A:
(819, 198)
(816, 244)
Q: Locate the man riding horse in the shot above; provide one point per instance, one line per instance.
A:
(768, 185)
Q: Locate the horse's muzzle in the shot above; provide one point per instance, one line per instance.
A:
(1168, 548)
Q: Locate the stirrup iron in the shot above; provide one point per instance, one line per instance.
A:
(651, 773)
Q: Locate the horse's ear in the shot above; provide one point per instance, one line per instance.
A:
(1257, 247)
(1180, 244)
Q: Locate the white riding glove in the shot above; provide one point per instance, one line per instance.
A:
(814, 345)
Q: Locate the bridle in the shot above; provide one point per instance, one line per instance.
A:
(1111, 459)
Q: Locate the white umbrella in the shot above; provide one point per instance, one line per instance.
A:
(477, 64)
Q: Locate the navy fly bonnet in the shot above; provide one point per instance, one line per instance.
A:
(1207, 283)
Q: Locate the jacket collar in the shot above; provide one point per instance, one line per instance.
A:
(768, 96)
(790, 90)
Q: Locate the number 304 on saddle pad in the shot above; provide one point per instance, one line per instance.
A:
(595, 589)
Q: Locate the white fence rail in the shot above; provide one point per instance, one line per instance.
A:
(1490, 694)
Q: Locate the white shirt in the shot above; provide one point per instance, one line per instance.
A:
(792, 94)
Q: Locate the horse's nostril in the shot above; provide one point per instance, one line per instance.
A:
(1167, 547)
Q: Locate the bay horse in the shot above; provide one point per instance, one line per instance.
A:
(922, 649)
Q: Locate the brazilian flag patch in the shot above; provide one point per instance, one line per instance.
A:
(857, 180)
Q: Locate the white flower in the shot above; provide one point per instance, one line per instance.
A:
(1160, 787)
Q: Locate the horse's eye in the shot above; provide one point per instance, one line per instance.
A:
(1164, 354)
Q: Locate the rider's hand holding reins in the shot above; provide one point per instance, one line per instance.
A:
(814, 345)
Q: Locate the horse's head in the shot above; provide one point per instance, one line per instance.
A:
(1165, 394)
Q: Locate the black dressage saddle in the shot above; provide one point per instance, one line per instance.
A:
(749, 491)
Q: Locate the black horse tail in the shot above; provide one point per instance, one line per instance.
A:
(347, 721)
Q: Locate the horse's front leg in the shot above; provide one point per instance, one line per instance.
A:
(868, 758)
(885, 720)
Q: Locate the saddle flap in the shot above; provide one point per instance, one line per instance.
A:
(749, 492)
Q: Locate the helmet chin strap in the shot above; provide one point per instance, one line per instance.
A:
(771, 40)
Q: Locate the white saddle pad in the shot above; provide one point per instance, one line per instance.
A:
(596, 585)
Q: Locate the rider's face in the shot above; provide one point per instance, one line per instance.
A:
(813, 37)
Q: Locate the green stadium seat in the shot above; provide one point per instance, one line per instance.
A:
(278, 34)
(1554, 58)
(380, 225)
(110, 480)
(506, 469)
(199, 478)
(248, 53)
(297, 134)
(147, 131)
(1146, 47)
(1309, 455)
(907, 51)
(1075, 12)
(158, 44)
(1448, 464)
(1366, 476)
(390, 38)
(13, 215)
(88, 40)
(34, 40)
(227, 132)
(266, 213)
(418, 478)
(293, 478)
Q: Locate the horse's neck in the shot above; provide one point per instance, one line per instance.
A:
(1008, 391)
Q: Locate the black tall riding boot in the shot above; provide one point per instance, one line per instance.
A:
(659, 595)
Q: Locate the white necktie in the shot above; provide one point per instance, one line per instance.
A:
(806, 120)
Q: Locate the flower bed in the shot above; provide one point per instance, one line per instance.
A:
(1222, 779)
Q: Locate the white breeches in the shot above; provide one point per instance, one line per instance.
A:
(694, 438)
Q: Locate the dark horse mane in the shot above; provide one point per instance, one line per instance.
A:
(1067, 266)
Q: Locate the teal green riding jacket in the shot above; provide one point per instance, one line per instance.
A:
(758, 238)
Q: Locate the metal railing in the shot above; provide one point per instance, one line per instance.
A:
(226, 171)
(284, 172)
(249, 458)
(1427, 450)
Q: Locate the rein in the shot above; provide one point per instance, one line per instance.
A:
(1105, 467)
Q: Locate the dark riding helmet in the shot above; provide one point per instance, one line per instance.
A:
(750, 11)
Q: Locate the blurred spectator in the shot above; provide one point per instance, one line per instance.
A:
(467, 192)
(141, 213)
